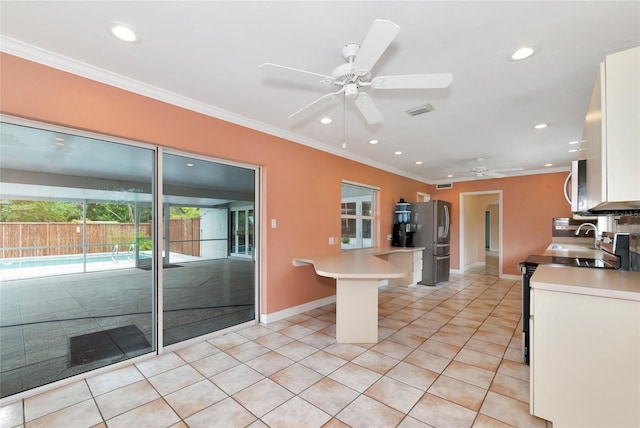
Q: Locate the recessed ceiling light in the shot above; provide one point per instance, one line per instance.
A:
(189, 164)
(373, 141)
(548, 164)
(522, 53)
(573, 150)
(59, 139)
(418, 162)
(59, 143)
(326, 120)
(124, 33)
(450, 175)
(574, 142)
(397, 153)
(541, 126)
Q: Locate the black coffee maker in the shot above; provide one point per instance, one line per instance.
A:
(403, 229)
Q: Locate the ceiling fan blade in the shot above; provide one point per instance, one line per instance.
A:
(493, 174)
(380, 35)
(319, 100)
(413, 81)
(368, 109)
(290, 73)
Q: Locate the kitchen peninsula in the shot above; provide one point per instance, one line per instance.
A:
(358, 274)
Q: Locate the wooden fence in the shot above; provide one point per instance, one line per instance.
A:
(50, 239)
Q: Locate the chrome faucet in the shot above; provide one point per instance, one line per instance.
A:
(595, 232)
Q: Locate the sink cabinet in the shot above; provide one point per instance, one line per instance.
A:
(611, 138)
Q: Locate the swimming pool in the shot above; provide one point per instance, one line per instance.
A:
(74, 259)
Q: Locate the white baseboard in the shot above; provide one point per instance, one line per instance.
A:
(295, 310)
(456, 271)
(513, 277)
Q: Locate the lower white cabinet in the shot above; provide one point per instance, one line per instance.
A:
(407, 260)
(585, 360)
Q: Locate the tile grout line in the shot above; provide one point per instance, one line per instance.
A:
(487, 290)
(453, 358)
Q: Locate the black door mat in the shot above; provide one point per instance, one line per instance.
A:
(107, 344)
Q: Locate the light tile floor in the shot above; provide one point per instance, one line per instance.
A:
(447, 356)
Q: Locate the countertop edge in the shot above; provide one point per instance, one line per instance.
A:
(608, 283)
(381, 268)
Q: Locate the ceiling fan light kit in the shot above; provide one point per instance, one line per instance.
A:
(356, 73)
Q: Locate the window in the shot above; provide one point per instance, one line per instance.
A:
(357, 216)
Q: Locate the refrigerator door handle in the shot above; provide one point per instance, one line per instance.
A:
(442, 257)
(446, 217)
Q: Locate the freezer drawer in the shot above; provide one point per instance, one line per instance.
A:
(435, 269)
(441, 249)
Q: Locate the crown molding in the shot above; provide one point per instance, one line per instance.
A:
(60, 62)
(507, 175)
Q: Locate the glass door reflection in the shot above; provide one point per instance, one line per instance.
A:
(206, 290)
(242, 230)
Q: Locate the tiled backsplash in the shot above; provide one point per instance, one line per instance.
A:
(631, 225)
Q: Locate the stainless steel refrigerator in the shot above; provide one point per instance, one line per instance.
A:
(433, 220)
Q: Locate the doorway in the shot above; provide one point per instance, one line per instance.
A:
(481, 231)
(487, 230)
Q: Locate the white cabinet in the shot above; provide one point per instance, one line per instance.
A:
(407, 260)
(611, 138)
(585, 359)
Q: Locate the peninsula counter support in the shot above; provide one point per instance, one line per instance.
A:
(358, 274)
(356, 310)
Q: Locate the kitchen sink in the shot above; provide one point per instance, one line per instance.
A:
(571, 247)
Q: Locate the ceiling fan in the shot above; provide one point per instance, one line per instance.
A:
(351, 77)
(482, 171)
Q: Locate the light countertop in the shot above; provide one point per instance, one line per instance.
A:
(573, 250)
(395, 250)
(357, 264)
(616, 284)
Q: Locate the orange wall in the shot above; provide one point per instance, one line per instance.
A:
(301, 185)
(529, 205)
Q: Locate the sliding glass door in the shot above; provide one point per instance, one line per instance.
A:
(75, 215)
(98, 265)
(204, 289)
(242, 230)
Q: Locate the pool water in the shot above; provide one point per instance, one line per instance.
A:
(48, 261)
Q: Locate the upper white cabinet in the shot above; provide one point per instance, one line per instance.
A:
(611, 139)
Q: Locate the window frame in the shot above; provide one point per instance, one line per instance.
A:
(359, 217)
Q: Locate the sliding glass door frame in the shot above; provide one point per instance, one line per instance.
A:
(158, 246)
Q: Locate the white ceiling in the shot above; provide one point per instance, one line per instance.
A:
(205, 55)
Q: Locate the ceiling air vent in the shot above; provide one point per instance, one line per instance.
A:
(420, 110)
(444, 186)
